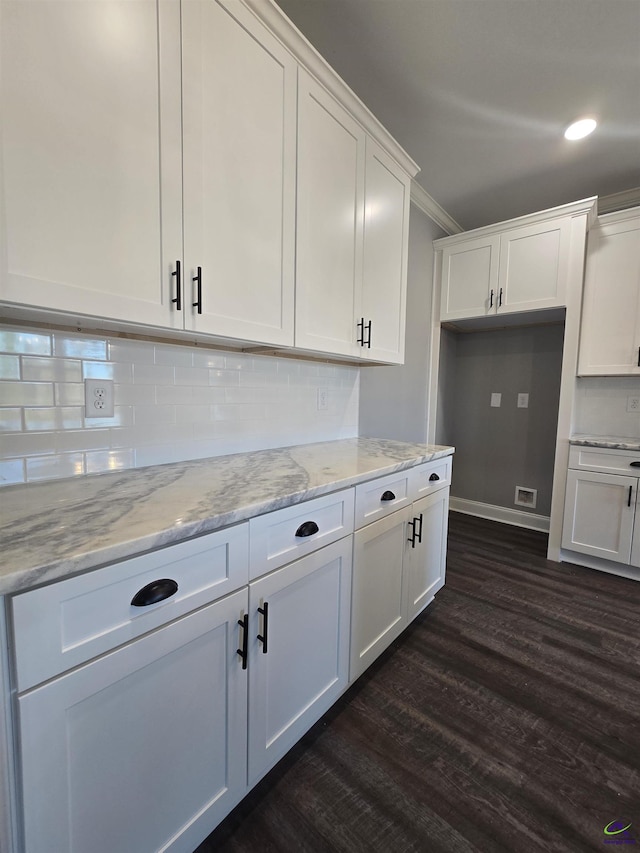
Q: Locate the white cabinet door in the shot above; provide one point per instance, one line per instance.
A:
(378, 608)
(143, 749)
(610, 330)
(92, 218)
(298, 650)
(331, 162)
(426, 554)
(534, 263)
(239, 118)
(470, 278)
(386, 237)
(599, 514)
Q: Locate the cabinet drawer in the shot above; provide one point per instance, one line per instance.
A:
(379, 497)
(62, 625)
(287, 534)
(604, 460)
(428, 478)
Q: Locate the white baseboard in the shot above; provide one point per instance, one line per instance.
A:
(500, 513)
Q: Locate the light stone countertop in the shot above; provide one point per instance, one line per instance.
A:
(610, 442)
(55, 529)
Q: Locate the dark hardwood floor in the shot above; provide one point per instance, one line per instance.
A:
(506, 718)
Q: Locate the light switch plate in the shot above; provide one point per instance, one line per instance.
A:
(523, 401)
(496, 400)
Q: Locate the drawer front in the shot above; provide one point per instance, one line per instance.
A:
(377, 498)
(279, 537)
(65, 624)
(430, 477)
(605, 461)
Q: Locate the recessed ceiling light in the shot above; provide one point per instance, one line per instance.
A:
(580, 129)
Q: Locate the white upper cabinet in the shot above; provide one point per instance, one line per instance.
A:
(352, 235)
(239, 121)
(610, 330)
(91, 198)
(384, 275)
(331, 161)
(512, 267)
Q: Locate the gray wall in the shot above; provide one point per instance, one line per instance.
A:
(499, 448)
(394, 400)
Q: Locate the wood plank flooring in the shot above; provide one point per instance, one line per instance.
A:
(506, 718)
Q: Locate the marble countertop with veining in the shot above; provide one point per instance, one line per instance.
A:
(55, 529)
(611, 442)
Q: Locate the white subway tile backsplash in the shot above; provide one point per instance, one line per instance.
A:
(72, 346)
(24, 341)
(10, 420)
(26, 393)
(9, 367)
(11, 471)
(54, 467)
(51, 369)
(172, 403)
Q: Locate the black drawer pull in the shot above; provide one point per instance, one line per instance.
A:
(178, 297)
(635, 464)
(264, 610)
(308, 528)
(433, 477)
(154, 592)
(388, 496)
(243, 652)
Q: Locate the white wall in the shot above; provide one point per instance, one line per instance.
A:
(394, 400)
(172, 403)
(601, 406)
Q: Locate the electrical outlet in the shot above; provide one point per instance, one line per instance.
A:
(496, 400)
(98, 398)
(523, 401)
(323, 399)
(633, 404)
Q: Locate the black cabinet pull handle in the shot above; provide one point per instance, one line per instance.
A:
(154, 592)
(388, 496)
(178, 297)
(635, 464)
(638, 356)
(243, 652)
(264, 610)
(500, 298)
(419, 534)
(433, 477)
(630, 493)
(360, 327)
(412, 538)
(198, 279)
(308, 528)
(491, 299)
(368, 341)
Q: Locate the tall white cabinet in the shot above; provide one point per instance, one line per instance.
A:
(610, 331)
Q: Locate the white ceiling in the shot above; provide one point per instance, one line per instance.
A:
(479, 92)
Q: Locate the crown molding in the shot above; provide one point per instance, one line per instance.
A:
(286, 32)
(619, 201)
(422, 200)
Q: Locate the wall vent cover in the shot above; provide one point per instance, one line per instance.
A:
(526, 497)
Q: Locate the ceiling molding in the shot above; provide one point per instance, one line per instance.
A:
(619, 201)
(421, 198)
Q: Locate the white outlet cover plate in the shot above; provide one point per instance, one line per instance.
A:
(523, 401)
(496, 400)
(98, 398)
(633, 404)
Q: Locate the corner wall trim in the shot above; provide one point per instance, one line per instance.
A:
(421, 198)
(500, 513)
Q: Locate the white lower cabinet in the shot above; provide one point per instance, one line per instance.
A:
(299, 654)
(142, 749)
(602, 509)
(378, 612)
(398, 559)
